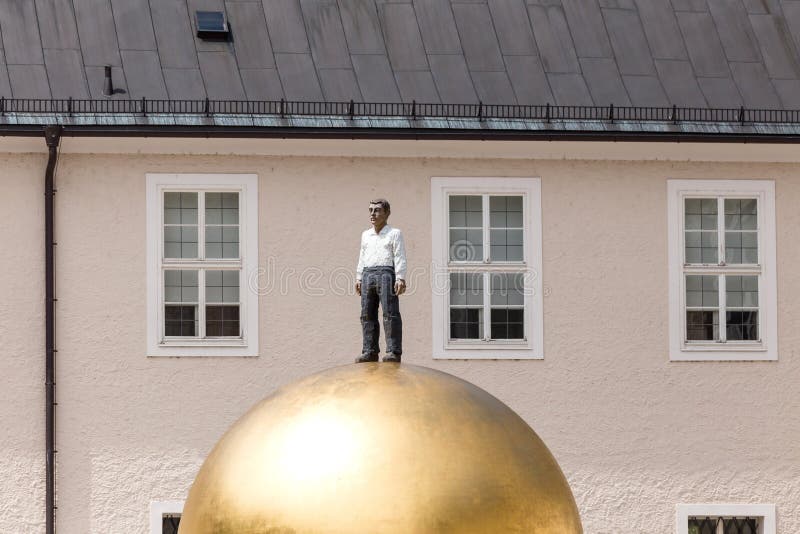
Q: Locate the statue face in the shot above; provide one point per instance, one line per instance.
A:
(377, 215)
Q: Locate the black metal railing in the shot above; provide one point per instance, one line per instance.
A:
(409, 110)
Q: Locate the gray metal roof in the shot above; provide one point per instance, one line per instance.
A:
(689, 53)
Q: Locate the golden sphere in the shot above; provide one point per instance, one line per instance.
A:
(380, 448)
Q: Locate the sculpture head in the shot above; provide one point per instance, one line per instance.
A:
(379, 211)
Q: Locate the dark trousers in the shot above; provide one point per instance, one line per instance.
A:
(377, 287)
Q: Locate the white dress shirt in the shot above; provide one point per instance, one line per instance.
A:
(383, 249)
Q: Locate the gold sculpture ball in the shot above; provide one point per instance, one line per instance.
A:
(380, 448)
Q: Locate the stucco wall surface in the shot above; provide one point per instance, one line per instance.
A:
(22, 450)
(634, 433)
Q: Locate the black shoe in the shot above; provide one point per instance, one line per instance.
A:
(393, 357)
(367, 358)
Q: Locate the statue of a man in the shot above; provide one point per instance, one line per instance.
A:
(380, 278)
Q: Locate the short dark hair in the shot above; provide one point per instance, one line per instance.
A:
(383, 203)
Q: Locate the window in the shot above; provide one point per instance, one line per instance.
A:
(165, 516)
(722, 270)
(202, 245)
(725, 519)
(487, 260)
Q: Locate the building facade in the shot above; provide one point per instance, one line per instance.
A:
(620, 276)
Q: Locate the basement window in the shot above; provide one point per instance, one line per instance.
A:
(725, 519)
(165, 516)
(211, 25)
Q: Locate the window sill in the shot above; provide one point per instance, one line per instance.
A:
(487, 351)
(722, 352)
(202, 349)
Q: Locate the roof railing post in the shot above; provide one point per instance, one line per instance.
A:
(2, 105)
(351, 109)
(413, 109)
(144, 106)
(611, 113)
(674, 115)
(207, 109)
(741, 115)
(69, 107)
(547, 113)
(283, 108)
(480, 109)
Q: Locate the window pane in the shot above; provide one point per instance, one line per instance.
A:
(741, 291)
(466, 323)
(505, 233)
(222, 230)
(466, 210)
(700, 214)
(180, 320)
(702, 325)
(701, 246)
(507, 323)
(741, 247)
(466, 289)
(507, 289)
(702, 291)
(466, 245)
(222, 286)
(180, 286)
(222, 321)
(740, 213)
(742, 325)
(180, 209)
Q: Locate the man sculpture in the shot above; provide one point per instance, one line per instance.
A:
(380, 278)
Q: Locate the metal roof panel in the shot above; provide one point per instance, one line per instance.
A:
(339, 85)
(438, 26)
(604, 82)
(29, 81)
(143, 74)
(361, 26)
(97, 32)
(478, 38)
(553, 38)
(250, 38)
(512, 26)
(298, 76)
(528, 80)
(416, 85)
(325, 34)
(134, 24)
(65, 73)
(375, 78)
(403, 40)
(174, 34)
(20, 30)
(262, 84)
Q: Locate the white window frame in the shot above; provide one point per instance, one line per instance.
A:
(530, 189)
(158, 509)
(767, 347)
(765, 512)
(247, 187)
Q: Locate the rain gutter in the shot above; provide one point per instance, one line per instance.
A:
(402, 133)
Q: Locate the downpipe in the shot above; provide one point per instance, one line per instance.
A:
(52, 136)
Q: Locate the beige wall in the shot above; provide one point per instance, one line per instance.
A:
(634, 433)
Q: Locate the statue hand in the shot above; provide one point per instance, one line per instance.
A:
(400, 287)
(358, 288)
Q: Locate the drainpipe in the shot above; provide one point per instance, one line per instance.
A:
(52, 135)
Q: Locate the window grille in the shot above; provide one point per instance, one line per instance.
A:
(169, 523)
(723, 525)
